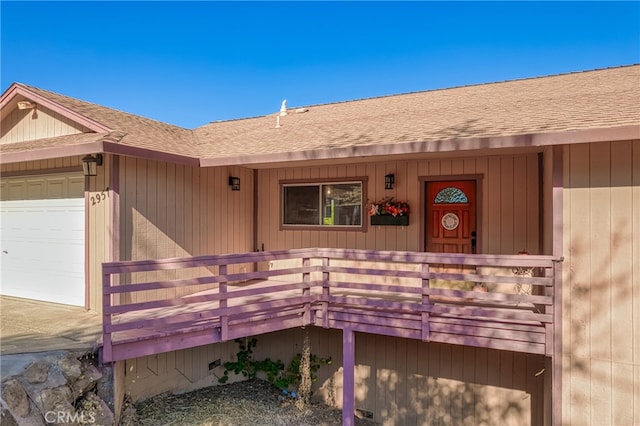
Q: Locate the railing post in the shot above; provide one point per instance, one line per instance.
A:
(306, 292)
(548, 291)
(325, 292)
(425, 302)
(107, 347)
(224, 318)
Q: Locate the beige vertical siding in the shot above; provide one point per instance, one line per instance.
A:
(37, 166)
(401, 381)
(170, 210)
(24, 125)
(177, 371)
(99, 229)
(398, 381)
(601, 296)
(508, 208)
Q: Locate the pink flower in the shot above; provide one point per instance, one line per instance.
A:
(388, 206)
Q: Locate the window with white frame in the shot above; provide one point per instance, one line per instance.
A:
(324, 204)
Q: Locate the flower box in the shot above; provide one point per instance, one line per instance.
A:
(389, 220)
(389, 212)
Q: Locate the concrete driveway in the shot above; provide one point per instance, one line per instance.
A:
(30, 326)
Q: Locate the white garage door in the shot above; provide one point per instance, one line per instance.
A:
(42, 238)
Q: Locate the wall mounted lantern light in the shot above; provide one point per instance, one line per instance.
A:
(389, 180)
(90, 164)
(234, 183)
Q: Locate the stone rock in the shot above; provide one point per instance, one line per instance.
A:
(87, 380)
(70, 367)
(56, 388)
(55, 399)
(92, 409)
(38, 372)
(6, 418)
(63, 413)
(104, 387)
(14, 395)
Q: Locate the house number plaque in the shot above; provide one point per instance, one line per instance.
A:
(99, 197)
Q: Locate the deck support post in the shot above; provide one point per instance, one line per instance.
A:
(348, 376)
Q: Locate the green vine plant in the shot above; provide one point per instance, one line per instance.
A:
(244, 363)
(275, 371)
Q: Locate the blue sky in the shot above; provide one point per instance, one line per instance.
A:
(189, 63)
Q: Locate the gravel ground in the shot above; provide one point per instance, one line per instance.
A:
(252, 402)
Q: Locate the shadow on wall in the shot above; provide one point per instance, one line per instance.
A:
(598, 298)
(407, 382)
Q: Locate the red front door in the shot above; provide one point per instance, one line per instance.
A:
(451, 216)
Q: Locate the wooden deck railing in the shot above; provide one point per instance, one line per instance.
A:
(156, 306)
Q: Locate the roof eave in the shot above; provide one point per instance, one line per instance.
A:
(16, 89)
(457, 144)
(621, 133)
(52, 152)
(149, 154)
(100, 146)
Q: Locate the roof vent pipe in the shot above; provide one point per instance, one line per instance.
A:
(283, 108)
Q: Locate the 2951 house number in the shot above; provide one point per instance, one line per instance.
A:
(98, 198)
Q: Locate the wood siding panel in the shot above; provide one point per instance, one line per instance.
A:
(507, 206)
(601, 283)
(636, 395)
(635, 280)
(99, 230)
(508, 219)
(25, 125)
(179, 371)
(42, 165)
(621, 273)
(600, 254)
(493, 204)
(399, 381)
(173, 211)
(579, 283)
(446, 384)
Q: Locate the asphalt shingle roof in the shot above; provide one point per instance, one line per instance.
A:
(585, 100)
(599, 99)
(139, 131)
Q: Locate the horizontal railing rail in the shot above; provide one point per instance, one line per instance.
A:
(430, 296)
